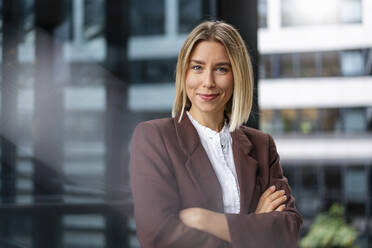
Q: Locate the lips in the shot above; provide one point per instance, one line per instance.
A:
(207, 97)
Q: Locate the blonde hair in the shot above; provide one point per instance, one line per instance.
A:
(238, 108)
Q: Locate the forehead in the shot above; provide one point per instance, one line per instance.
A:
(209, 50)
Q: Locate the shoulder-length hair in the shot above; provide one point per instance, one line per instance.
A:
(238, 108)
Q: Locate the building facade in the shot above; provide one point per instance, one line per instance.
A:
(315, 95)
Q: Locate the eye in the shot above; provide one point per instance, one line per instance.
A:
(196, 67)
(222, 69)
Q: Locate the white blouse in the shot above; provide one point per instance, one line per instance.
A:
(218, 147)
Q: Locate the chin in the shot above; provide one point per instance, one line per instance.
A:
(208, 110)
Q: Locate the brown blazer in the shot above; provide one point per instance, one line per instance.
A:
(170, 171)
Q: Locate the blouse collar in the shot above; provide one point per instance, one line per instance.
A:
(206, 130)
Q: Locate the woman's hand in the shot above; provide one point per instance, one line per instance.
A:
(271, 200)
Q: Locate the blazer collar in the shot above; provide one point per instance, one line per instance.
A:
(189, 139)
(205, 177)
(187, 135)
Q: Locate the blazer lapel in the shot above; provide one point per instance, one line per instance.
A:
(201, 170)
(198, 164)
(246, 168)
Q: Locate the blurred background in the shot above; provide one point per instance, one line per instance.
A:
(78, 75)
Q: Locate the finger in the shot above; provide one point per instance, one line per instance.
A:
(268, 191)
(272, 197)
(277, 202)
(280, 208)
(266, 202)
(276, 195)
(269, 205)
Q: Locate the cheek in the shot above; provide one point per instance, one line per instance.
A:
(191, 83)
(227, 84)
(188, 86)
(190, 80)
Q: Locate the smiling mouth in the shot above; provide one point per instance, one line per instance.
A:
(207, 97)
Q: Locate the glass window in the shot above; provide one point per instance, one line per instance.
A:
(147, 17)
(311, 200)
(368, 61)
(309, 178)
(330, 120)
(94, 18)
(190, 14)
(315, 64)
(351, 11)
(304, 12)
(286, 65)
(352, 63)
(262, 13)
(333, 181)
(308, 119)
(84, 126)
(72, 127)
(277, 126)
(355, 184)
(369, 118)
(308, 65)
(287, 14)
(80, 232)
(266, 120)
(265, 66)
(331, 64)
(153, 71)
(354, 120)
(313, 120)
(289, 120)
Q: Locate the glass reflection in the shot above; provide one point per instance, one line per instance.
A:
(303, 12)
(316, 64)
(66, 117)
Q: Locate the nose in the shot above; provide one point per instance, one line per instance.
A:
(208, 80)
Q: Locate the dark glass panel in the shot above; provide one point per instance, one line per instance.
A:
(147, 17)
(190, 14)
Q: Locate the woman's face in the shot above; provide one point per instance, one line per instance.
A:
(209, 78)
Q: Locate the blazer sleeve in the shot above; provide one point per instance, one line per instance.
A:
(274, 229)
(156, 197)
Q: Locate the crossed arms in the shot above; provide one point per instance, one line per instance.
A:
(161, 222)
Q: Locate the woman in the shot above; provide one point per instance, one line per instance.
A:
(201, 178)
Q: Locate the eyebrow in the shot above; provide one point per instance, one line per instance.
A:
(217, 64)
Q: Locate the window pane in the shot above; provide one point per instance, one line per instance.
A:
(330, 121)
(354, 120)
(265, 66)
(266, 120)
(352, 63)
(286, 65)
(308, 120)
(262, 13)
(93, 18)
(289, 117)
(190, 14)
(147, 17)
(331, 64)
(316, 12)
(153, 71)
(308, 66)
(351, 11)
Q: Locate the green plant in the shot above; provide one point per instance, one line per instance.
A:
(330, 230)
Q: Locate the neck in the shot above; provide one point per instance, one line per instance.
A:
(214, 121)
